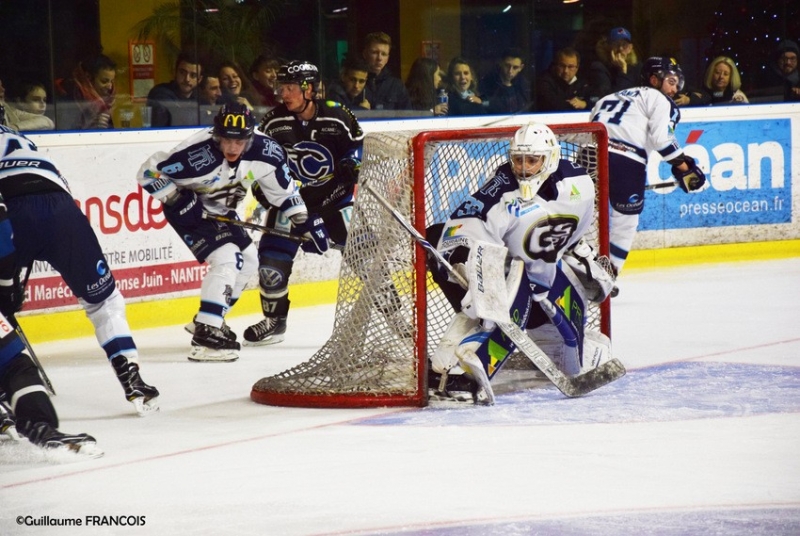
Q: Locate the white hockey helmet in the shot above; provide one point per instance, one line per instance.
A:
(534, 153)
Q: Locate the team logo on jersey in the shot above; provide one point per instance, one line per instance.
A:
(311, 162)
(451, 231)
(550, 235)
(519, 207)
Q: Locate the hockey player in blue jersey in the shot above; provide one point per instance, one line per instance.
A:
(210, 173)
(324, 142)
(49, 227)
(538, 207)
(32, 413)
(641, 120)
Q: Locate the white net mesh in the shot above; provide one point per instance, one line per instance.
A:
(389, 313)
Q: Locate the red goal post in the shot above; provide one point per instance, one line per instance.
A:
(389, 313)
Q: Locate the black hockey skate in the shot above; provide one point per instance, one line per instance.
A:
(270, 330)
(45, 436)
(457, 387)
(211, 344)
(143, 397)
(8, 425)
(226, 329)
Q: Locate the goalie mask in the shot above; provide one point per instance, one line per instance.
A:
(534, 155)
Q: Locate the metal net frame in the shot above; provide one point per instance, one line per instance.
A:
(390, 314)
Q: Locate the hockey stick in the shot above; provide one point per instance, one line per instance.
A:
(660, 185)
(47, 383)
(264, 229)
(571, 386)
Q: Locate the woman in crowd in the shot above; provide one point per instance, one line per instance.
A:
(722, 82)
(462, 84)
(423, 83)
(92, 88)
(234, 83)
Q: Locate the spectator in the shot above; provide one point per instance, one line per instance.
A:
(263, 77)
(350, 88)
(562, 88)
(91, 87)
(24, 117)
(462, 86)
(383, 91)
(782, 78)
(506, 90)
(422, 85)
(210, 92)
(234, 84)
(181, 89)
(722, 82)
(617, 66)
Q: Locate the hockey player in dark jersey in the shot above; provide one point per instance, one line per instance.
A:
(49, 227)
(209, 173)
(27, 398)
(323, 141)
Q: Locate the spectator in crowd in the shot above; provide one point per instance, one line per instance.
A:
(422, 84)
(617, 65)
(383, 91)
(263, 77)
(506, 90)
(28, 114)
(350, 88)
(234, 84)
(181, 89)
(210, 91)
(561, 88)
(92, 88)
(463, 98)
(722, 82)
(781, 79)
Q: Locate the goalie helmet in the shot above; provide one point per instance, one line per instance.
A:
(532, 144)
(661, 67)
(301, 73)
(234, 121)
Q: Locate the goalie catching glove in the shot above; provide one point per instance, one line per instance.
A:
(690, 180)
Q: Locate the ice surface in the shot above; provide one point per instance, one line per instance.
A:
(701, 436)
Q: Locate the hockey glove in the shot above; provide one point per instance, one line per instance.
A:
(692, 179)
(347, 169)
(314, 229)
(12, 295)
(186, 210)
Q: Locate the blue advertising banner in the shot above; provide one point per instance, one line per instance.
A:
(748, 170)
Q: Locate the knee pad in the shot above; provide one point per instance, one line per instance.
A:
(273, 274)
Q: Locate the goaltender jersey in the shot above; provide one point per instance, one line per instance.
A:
(198, 164)
(537, 231)
(316, 150)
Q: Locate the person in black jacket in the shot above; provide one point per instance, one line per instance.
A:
(181, 89)
(383, 91)
(462, 88)
(562, 88)
(506, 90)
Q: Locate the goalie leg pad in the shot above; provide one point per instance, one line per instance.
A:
(444, 357)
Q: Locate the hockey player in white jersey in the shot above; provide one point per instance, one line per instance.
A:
(639, 121)
(48, 226)
(210, 173)
(538, 206)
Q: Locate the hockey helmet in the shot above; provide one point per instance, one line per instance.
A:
(299, 72)
(531, 144)
(661, 67)
(234, 121)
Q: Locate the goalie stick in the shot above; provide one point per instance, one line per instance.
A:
(570, 386)
(264, 229)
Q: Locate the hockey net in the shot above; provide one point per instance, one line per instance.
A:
(389, 314)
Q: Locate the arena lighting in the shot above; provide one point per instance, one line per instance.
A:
(570, 1)
(339, 10)
(507, 8)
